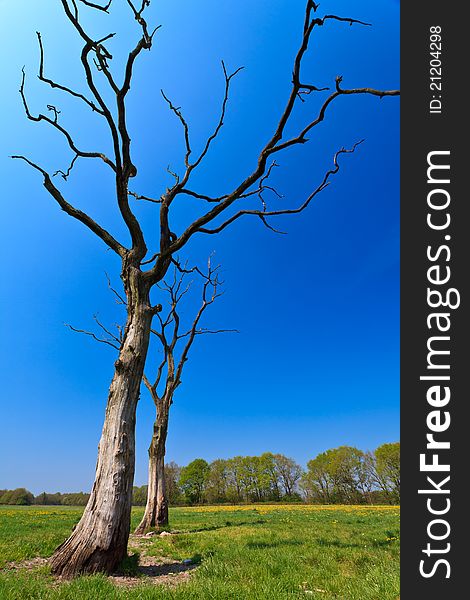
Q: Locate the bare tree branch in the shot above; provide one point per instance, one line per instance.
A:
(228, 78)
(102, 55)
(75, 212)
(204, 331)
(145, 42)
(177, 111)
(201, 196)
(301, 139)
(97, 6)
(287, 211)
(119, 298)
(56, 125)
(95, 337)
(109, 333)
(254, 184)
(56, 85)
(270, 148)
(145, 198)
(274, 145)
(125, 169)
(168, 332)
(65, 175)
(151, 389)
(141, 21)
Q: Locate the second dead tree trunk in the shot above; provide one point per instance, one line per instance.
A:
(168, 375)
(156, 509)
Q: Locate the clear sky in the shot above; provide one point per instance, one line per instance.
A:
(316, 362)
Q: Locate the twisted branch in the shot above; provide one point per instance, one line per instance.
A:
(286, 211)
(54, 123)
(107, 238)
(273, 146)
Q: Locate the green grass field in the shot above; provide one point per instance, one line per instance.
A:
(247, 553)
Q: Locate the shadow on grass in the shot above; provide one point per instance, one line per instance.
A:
(129, 567)
(261, 545)
(136, 565)
(165, 569)
(338, 544)
(223, 526)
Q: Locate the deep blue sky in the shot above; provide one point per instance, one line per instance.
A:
(316, 362)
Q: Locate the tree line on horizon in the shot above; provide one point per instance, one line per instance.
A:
(343, 475)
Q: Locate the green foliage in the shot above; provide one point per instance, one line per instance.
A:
(172, 476)
(18, 497)
(347, 475)
(77, 499)
(217, 482)
(266, 478)
(335, 476)
(46, 499)
(139, 496)
(193, 480)
(22, 497)
(343, 475)
(387, 469)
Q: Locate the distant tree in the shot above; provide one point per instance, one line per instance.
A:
(289, 474)
(139, 495)
(234, 483)
(193, 480)
(57, 498)
(387, 469)
(172, 477)
(6, 496)
(18, 497)
(22, 497)
(336, 475)
(317, 483)
(257, 480)
(364, 479)
(75, 499)
(247, 474)
(270, 483)
(347, 473)
(49, 499)
(217, 482)
(41, 499)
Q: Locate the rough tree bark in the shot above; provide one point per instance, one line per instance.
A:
(100, 539)
(156, 509)
(99, 542)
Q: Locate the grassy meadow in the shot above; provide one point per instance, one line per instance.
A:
(257, 552)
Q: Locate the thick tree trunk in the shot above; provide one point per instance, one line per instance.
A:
(99, 541)
(156, 509)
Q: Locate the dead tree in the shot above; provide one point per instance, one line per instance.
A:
(176, 344)
(99, 541)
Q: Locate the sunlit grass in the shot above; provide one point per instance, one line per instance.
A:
(265, 552)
